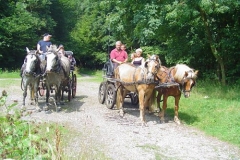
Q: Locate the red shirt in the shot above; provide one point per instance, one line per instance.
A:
(118, 55)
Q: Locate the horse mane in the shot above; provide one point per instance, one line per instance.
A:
(181, 70)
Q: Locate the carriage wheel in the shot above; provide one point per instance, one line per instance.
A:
(74, 85)
(110, 96)
(102, 92)
(41, 89)
(134, 98)
(69, 91)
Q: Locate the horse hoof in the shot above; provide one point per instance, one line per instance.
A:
(23, 109)
(38, 109)
(144, 124)
(58, 109)
(45, 108)
(121, 113)
(176, 120)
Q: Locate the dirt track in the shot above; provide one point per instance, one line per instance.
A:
(101, 134)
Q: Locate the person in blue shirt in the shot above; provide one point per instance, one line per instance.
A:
(42, 45)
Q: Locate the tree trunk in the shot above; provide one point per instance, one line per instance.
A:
(212, 46)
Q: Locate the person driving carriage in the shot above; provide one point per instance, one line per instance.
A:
(118, 56)
(42, 45)
(72, 61)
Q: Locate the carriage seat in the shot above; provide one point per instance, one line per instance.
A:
(108, 68)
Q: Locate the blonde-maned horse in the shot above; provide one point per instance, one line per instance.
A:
(174, 81)
(31, 76)
(57, 72)
(137, 79)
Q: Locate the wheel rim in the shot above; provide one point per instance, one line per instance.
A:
(101, 93)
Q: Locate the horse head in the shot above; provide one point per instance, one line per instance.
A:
(32, 61)
(186, 77)
(152, 64)
(52, 59)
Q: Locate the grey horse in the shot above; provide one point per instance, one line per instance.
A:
(31, 76)
(57, 72)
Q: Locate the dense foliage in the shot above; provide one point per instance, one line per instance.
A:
(201, 33)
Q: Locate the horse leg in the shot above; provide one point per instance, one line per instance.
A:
(159, 96)
(161, 114)
(141, 107)
(32, 97)
(36, 96)
(124, 93)
(24, 96)
(120, 100)
(176, 119)
(47, 97)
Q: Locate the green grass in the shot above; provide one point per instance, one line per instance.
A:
(213, 109)
(94, 75)
(8, 74)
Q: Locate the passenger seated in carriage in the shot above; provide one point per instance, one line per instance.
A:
(118, 56)
(61, 51)
(72, 61)
(138, 60)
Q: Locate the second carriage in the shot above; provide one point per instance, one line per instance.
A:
(107, 89)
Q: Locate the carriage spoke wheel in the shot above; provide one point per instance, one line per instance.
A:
(110, 96)
(69, 91)
(74, 85)
(102, 92)
(134, 98)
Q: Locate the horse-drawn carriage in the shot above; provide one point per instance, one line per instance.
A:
(144, 83)
(58, 77)
(107, 89)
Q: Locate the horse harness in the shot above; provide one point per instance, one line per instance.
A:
(143, 79)
(171, 82)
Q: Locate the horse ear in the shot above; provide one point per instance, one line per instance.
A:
(196, 72)
(28, 51)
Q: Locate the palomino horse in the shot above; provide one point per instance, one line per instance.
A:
(57, 72)
(31, 76)
(137, 79)
(173, 81)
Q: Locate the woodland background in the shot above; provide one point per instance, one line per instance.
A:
(203, 34)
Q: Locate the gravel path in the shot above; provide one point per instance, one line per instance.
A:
(100, 133)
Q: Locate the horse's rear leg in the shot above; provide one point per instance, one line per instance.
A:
(176, 119)
(161, 114)
(159, 96)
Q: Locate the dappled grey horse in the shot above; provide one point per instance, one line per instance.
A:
(57, 71)
(31, 76)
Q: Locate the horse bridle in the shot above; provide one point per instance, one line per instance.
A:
(156, 68)
(183, 83)
(35, 62)
(57, 66)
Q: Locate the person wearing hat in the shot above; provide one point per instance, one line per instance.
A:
(42, 45)
(61, 51)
